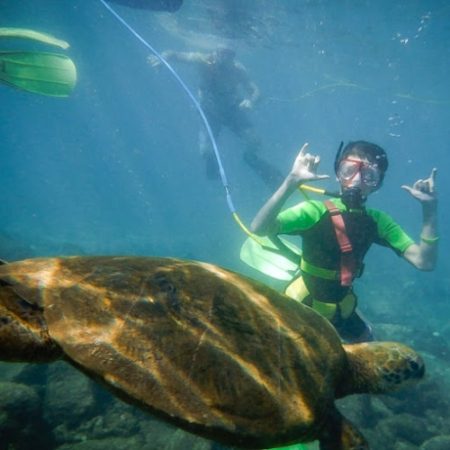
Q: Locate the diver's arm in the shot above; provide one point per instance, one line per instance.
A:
(171, 55)
(304, 169)
(249, 87)
(265, 222)
(253, 92)
(424, 255)
(189, 57)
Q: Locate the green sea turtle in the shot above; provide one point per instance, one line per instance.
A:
(207, 349)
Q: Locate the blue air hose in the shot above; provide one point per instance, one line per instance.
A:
(194, 101)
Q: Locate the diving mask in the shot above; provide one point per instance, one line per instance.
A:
(369, 173)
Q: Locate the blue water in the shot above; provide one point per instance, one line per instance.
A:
(115, 167)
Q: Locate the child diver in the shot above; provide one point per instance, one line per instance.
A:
(336, 234)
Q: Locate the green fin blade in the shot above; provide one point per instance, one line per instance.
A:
(265, 256)
(43, 73)
(310, 446)
(25, 33)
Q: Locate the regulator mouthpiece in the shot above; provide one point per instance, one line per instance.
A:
(352, 198)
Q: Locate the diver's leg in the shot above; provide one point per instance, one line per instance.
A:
(206, 150)
(268, 173)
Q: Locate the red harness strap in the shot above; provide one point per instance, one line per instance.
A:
(347, 259)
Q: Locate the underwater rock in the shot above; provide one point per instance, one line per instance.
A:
(176, 441)
(34, 375)
(10, 371)
(115, 420)
(401, 445)
(100, 428)
(69, 396)
(364, 410)
(19, 400)
(21, 418)
(404, 426)
(437, 443)
(114, 443)
(180, 439)
(429, 396)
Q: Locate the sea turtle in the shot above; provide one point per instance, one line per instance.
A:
(209, 350)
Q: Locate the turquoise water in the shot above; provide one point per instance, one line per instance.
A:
(115, 168)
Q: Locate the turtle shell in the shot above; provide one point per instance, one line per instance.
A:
(205, 348)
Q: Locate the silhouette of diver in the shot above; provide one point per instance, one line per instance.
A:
(226, 94)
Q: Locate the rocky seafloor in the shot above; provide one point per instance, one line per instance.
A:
(56, 407)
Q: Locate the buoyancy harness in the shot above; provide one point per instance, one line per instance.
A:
(348, 265)
(330, 309)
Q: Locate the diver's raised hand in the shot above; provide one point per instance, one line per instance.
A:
(156, 61)
(424, 190)
(153, 60)
(246, 104)
(305, 167)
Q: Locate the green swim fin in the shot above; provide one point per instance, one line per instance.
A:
(297, 447)
(26, 33)
(275, 257)
(43, 73)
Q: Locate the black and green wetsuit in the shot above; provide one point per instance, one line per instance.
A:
(321, 252)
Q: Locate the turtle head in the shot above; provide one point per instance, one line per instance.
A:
(23, 333)
(378, 367)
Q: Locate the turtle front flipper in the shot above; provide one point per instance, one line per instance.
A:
(340, 434)
(23, 331)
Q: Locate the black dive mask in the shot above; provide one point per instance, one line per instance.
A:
(352, 198)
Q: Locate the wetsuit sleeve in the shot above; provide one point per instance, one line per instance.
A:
(390, 234)
(300, 217)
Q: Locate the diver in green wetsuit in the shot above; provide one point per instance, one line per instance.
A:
(336, 234)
